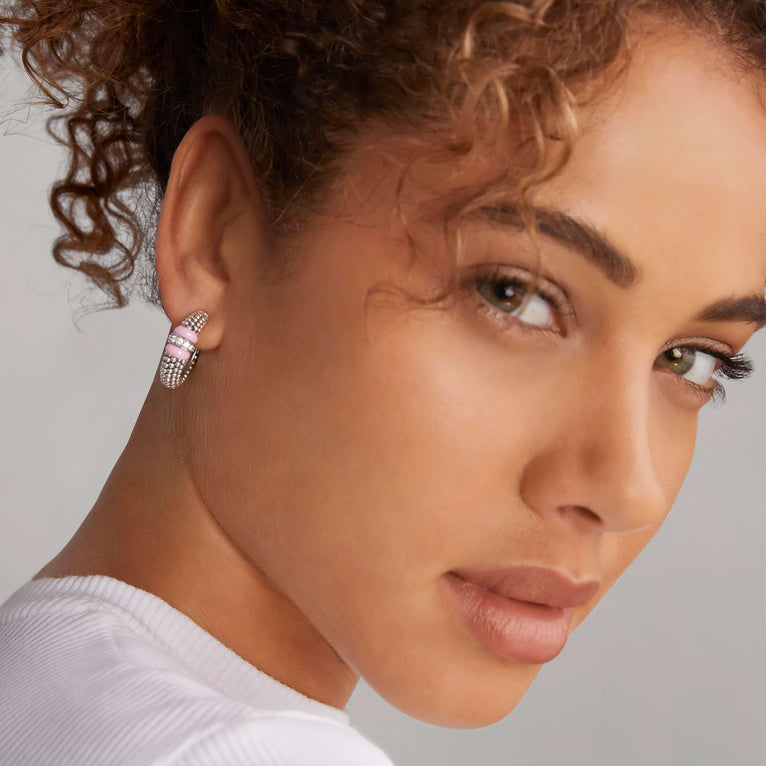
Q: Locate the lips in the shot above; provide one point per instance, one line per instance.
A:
(538, 585)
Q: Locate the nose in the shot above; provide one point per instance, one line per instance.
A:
(595, 460)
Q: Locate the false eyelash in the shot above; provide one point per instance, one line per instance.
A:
(736, 367)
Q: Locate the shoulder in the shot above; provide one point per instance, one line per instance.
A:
(83, 680)
(277, 738)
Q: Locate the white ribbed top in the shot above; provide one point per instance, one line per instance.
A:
(96, 671)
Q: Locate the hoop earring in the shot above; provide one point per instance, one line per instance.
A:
(180, 353)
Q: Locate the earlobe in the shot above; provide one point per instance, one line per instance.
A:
(200, 242)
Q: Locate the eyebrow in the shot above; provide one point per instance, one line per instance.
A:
(583, 238)
(749, 308)
(573, 233)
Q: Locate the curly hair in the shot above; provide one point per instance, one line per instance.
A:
(300, 83)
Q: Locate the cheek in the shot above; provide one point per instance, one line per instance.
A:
(394, 453)
(673, 434)
(382, 464)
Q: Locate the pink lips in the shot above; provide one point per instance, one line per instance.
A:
(528, 583)
(520, 613)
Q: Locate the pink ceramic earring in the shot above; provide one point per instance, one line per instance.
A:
(180, 353)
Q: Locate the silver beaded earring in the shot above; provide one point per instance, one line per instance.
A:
(180, 353)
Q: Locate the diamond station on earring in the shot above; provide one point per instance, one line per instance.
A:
(180, 353)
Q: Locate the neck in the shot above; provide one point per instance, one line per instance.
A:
(151, 527)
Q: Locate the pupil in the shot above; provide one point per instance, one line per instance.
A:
(676, 357)
(507, 291)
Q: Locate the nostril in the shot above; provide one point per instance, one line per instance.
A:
(584, 511)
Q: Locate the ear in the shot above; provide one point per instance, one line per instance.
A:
(211, 221)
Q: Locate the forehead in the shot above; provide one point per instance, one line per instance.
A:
(669, 163)
(672, 164)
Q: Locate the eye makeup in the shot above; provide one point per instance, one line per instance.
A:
(502, 291)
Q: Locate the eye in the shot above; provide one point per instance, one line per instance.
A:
(513, 296)
(689, 362)
(696, 366)
(510, 297)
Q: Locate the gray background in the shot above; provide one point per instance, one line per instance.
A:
(668, 669)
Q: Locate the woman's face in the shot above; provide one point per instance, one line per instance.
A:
(373, 450)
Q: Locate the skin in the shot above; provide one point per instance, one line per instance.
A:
(304, 493)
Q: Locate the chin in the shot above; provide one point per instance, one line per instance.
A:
(471, 695)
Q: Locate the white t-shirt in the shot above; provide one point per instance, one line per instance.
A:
(96, 671)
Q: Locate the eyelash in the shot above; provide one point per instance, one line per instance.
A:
(733, 367)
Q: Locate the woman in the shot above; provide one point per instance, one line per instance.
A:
(448, 286)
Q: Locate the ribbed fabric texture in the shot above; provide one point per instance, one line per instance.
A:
(96, 671)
